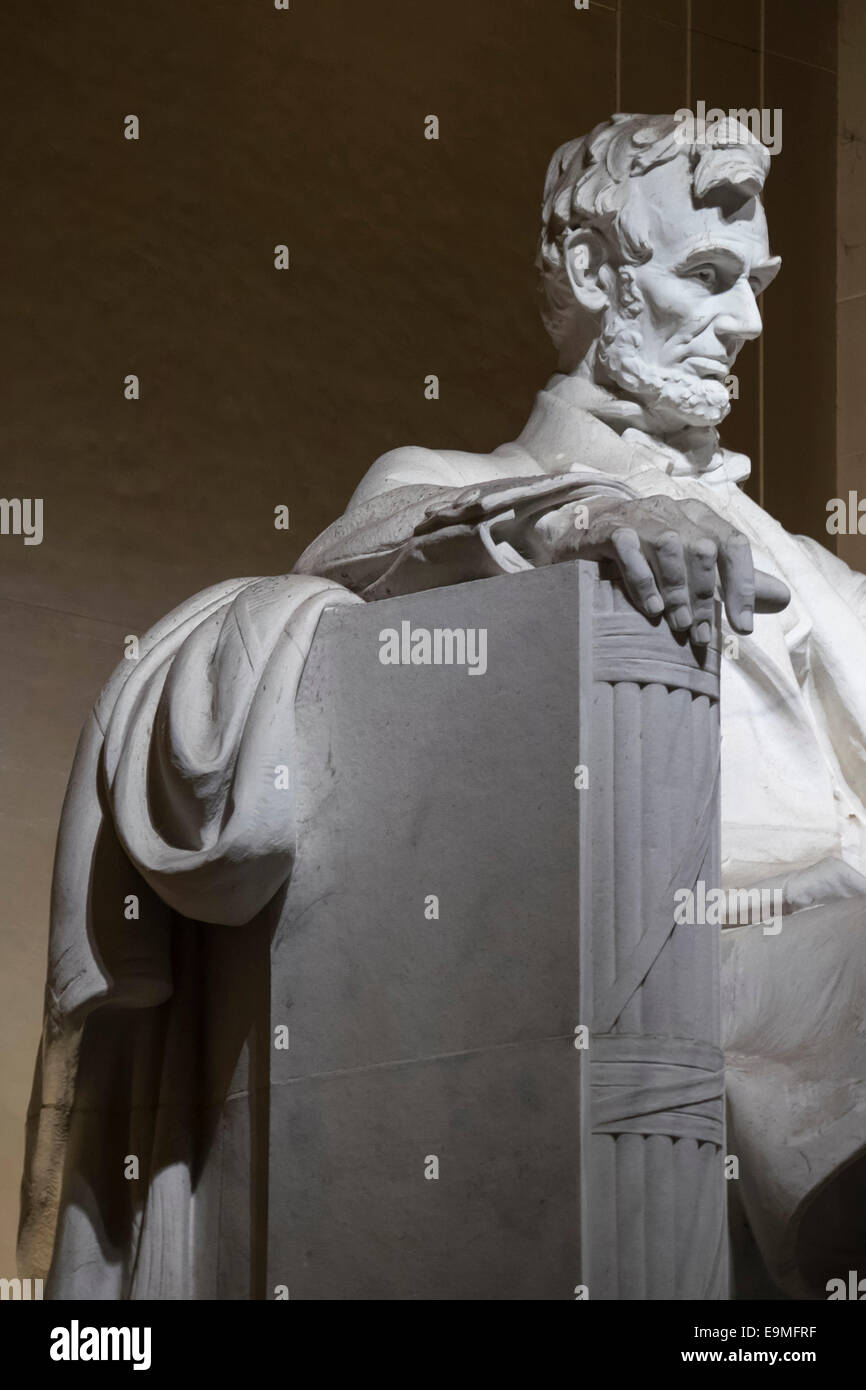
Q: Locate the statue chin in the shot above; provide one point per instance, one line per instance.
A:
(693, 407)
(689, 400)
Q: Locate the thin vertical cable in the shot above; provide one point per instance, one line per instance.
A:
(618, 102)
(761, 482)
(689, 53)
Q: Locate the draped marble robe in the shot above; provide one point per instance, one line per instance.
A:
(169, 779)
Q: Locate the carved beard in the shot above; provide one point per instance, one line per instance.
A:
(691, 399)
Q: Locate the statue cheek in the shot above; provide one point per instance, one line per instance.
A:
(675, 320)
(671, 305)
(688, 314)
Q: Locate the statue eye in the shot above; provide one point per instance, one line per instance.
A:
(706, 275)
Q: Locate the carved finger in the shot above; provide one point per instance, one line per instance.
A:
(702, 556)
(737, 574)
(636, 572)
(668, 560)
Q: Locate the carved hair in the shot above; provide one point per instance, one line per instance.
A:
(587, 186)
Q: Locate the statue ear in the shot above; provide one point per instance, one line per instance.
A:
(585, 259)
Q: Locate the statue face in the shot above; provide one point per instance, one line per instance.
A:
(675, 325)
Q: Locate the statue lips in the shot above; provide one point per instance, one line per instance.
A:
(709, 366)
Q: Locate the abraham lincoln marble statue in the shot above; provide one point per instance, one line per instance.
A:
(652, 255)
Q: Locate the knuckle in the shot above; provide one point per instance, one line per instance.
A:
(737, 541)
(644, 585)
(700, 513)
(704, 549)
(676, 595)
(702, 603)
(669, 542)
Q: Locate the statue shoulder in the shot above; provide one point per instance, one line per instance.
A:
(413, 465)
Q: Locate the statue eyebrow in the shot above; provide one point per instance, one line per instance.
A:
(708, 252)
(765, 271)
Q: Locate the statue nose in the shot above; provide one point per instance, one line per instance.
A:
(741, 319)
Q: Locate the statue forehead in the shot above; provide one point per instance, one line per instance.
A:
(661, 205)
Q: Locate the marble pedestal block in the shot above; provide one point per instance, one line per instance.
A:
(460, 906)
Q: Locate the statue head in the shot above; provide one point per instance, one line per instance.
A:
(652, 253)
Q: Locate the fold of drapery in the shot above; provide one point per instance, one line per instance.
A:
(179, 801)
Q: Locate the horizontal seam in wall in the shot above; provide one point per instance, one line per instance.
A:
(733, 43)
(61, 612)
(804, 62)
(484, 1049)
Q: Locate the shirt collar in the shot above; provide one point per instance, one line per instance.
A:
(576, 423)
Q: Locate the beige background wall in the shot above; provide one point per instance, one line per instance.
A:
(261, 387)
